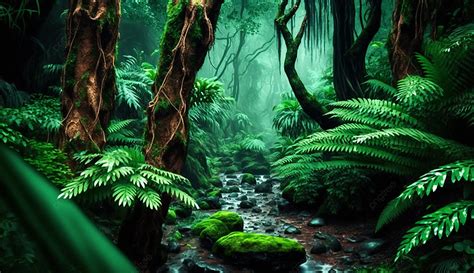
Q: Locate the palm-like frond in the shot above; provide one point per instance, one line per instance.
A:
(127, 178)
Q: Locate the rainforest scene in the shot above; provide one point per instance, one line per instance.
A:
(236, 136)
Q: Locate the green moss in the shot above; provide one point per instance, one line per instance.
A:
(233, 220)
(175, 236)
(203, 205)
(171, 217)
(240, 242)
(249, 179)
(170, 37)
(163, 105)
(215, 193)
(198, 227)
(212, 233)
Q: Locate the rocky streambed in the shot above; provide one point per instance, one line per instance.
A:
(330, 246)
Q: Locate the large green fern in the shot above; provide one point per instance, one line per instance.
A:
(123, 175)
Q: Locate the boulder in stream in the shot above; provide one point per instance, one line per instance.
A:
(246, 204)
(263, 252)
(230, 189)
(232, 220)
(249, 179)
(265, 187)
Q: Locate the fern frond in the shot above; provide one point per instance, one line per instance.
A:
(440, 223)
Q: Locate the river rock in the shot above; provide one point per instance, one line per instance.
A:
(264, 187)
(355, 239)
(232, 182)
(173, 246)
(264, 253)
(243, 198)
(191, 266)
(274, 212)
(230, 189)
(284, 205)
(292, 230)
(331, 242)
(234, 194)
(318, 247)
(249, 179)
(257, 210)
(246, 204)
(317, 222)
(371, 246)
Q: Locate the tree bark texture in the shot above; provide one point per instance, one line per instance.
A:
(349, 55)
(188, 35)
(89, 73)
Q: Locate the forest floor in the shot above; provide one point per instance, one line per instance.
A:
(264, 214)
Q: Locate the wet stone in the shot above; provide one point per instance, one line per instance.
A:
(372, 246)
(243, 198)
(173, 247)
(292, 230)
(257, 210)
(234, 194)
(317, 222)
(232, 182)
(330, 241)
(355, 239)
(347, 260)
(274, 212)
(246, 204)
(264, 187)
(318, 247)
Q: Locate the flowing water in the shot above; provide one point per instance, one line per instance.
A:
(265, 217)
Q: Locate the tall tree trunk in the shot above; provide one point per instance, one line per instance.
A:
(410, 21)
(309, 103)
(188, 35)
(89, 73)
(406, 37)
(349, 55)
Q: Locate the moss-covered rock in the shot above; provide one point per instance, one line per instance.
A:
(212, 233)
(209, 231)
(263, 252)
(215, 193)
(232, 220)
(199, 226)
(249, 179)
(182, 211)
(171, 217)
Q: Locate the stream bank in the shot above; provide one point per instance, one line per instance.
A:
(330, 246)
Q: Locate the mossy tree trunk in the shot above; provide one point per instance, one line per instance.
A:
(349, 54)
(89, 74)
(188, 35)
(309, 103)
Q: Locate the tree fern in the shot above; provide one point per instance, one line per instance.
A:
(133, 85)
(126, 178)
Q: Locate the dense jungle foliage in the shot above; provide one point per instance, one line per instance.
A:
(237, 136)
